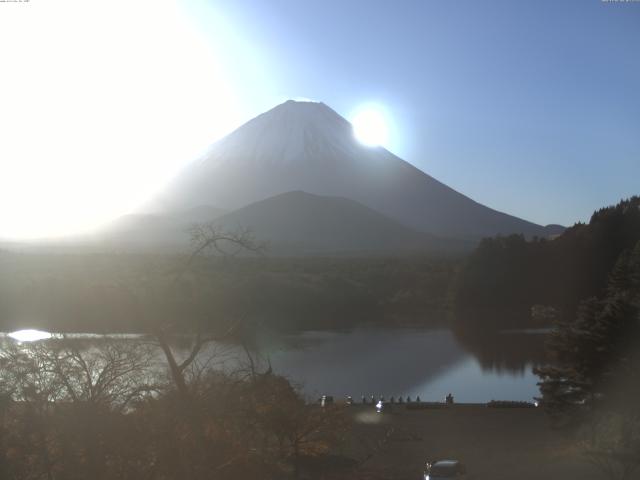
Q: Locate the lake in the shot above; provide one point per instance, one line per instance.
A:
(399, 362)
(406, 361)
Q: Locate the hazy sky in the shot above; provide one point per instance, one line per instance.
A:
(529, 107)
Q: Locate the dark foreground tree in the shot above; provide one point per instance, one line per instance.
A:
(506, 276)
(594, 382)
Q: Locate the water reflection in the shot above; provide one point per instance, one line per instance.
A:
(378, 361)
(510, 352)
(365, 361)
(404, 361)
(29, 335)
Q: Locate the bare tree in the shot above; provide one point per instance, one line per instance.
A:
(69, 400)
(196, 453)
(206, 238)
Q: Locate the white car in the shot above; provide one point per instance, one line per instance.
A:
(444, 469)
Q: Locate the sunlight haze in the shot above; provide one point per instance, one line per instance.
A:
(319, 239)
(102, 103)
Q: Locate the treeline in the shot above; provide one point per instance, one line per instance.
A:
(132, 292)
(506, 277)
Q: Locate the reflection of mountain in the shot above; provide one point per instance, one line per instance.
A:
(512, 352)
(383, 361)
(366, 361)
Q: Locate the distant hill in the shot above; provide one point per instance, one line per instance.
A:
(299, 223)
(291, 224)
(553, 231)
(306, 146)
(142, 231)
(198, 214)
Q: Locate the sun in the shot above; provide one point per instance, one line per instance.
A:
(29, 335)
(370, 126)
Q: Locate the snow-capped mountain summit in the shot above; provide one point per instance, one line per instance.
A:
(291, 132)
(307, 146)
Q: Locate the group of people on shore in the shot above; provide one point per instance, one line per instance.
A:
(372, 399)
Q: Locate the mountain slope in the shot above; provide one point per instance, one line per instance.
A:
(158, 230)
(307, 146)
(300, 223)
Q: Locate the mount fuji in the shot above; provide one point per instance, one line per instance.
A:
(308, 147)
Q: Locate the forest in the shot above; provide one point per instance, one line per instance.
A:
(585, 286)
(107, 293)
(506, 282)
(512, 282)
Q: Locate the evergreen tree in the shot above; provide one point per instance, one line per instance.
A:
(595, 355)
(506, 276)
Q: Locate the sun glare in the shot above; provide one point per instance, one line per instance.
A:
(102, 102)
(370, 127)
(29, 335)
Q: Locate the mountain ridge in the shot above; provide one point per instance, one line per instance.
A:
(307, 146)
(301, 223)
(293, 223)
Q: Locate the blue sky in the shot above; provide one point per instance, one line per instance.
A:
(532, 108)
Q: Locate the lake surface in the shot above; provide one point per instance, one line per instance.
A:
(399, 362)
